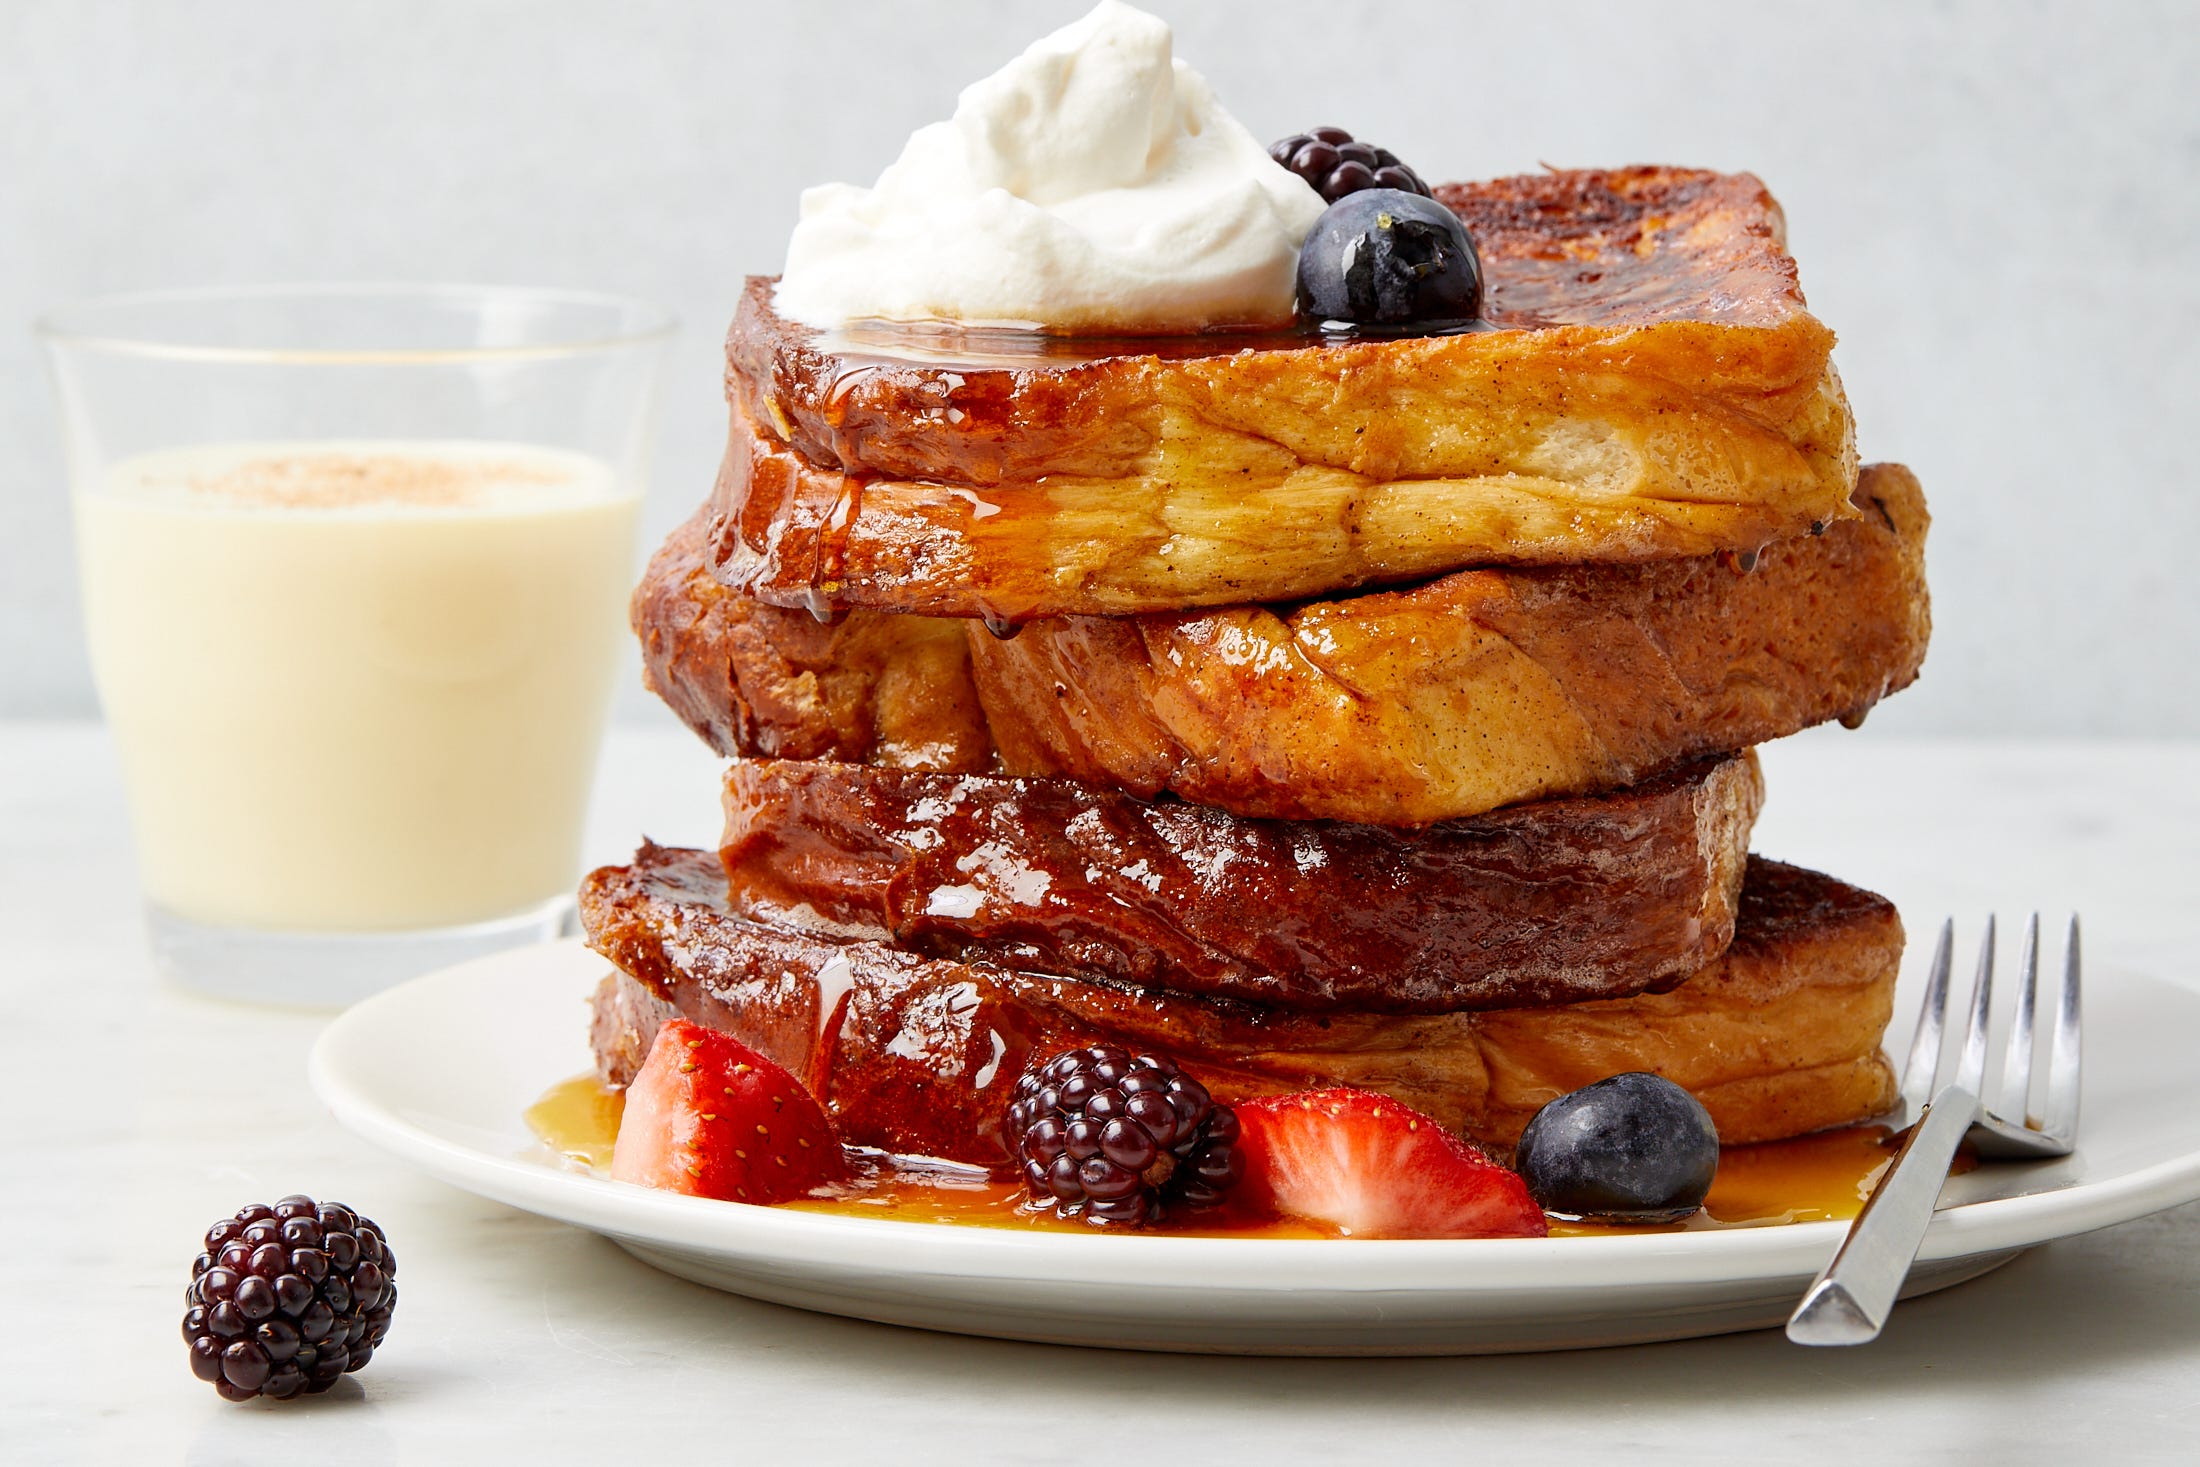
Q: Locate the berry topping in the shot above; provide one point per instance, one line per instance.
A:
(709, 1116)
(1635, 1148)
(287, 1298)
(1373, 1168)
(1383, 257)
(1336, 165)
(1120, 1140)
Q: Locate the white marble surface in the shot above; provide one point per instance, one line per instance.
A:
(140, 1114)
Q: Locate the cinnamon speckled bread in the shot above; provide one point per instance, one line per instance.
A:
(919, 1054)
(1649, 384)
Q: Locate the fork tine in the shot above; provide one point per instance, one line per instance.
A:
(2059, 1112)
(1971, 1068)
(1848, 1302)
(2016, 1063)
(1925, 1044)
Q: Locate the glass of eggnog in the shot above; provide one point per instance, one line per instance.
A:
(354, 564)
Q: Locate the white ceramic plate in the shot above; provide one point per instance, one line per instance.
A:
(440, 1070)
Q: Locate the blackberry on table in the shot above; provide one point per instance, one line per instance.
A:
(1121, 1140)
(1336, 164)
(287, 1298)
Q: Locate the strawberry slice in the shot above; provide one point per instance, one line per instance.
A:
(1372, 1168)
(709, 1116)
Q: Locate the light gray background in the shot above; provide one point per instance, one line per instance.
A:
(1994, 205)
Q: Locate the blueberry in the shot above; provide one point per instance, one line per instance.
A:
(1635, 1147)
(1384, 257)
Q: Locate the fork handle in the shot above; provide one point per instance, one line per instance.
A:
(1851, 1299)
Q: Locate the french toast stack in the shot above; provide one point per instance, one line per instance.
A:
(1312, 710)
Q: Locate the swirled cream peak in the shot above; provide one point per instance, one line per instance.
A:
(1091, 185)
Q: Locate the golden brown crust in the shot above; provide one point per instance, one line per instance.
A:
(759, 679)
(1812, 966)
(1219, 514)
(1652, 386)
(1569, 257)
(1478, 690)
(914, 1054)
(1630, 247)
(1551, 902)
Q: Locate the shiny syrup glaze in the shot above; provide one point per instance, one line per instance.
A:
(925, 1051)
(1619, 249)
(1817, 1178)
(1553, 902)
(1587, 247)
(871, 346)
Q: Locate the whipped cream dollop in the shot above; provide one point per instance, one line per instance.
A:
(1093, 184)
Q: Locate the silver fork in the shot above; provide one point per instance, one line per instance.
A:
(1849, 1302)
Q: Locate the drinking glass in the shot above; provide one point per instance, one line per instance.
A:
(354, 562)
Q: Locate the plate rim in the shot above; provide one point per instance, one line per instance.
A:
(944, 1250)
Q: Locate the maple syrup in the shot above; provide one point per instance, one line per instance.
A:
(578, 1120)
(1819, 1178)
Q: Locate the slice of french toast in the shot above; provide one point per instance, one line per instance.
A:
(756, 679)
(1478, 690)
(1650, 384)
(914, 1054)
(1552, 902)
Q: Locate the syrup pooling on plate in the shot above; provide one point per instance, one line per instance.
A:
(1819, 1178)
(578, 1120)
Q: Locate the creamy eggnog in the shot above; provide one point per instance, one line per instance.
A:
(356, 686)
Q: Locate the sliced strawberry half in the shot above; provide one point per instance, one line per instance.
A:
(709, 1116)
(1373, 1168)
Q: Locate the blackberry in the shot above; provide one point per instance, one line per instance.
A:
(1336, 165)
(1119, 1140)
(287, 1298)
